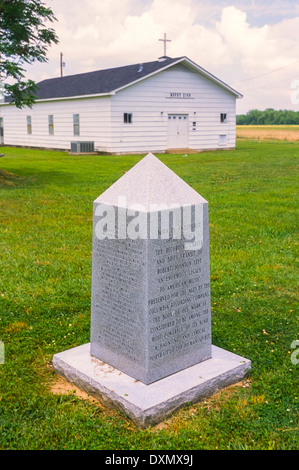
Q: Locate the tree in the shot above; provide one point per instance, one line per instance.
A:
(24, 39)
(268, 117)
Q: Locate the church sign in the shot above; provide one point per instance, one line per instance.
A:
(175, 94)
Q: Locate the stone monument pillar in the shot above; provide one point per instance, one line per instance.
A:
(150, 311)
(150, 347)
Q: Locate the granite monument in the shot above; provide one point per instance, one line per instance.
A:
(150, 347)
(150, 311)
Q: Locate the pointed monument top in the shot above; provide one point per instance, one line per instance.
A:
(150, 182)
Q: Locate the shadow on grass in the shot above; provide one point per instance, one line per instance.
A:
(8, 179)
(31, 177)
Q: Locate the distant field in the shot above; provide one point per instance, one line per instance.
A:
(289, 133)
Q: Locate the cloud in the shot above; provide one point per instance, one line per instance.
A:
(264, 59)
(256, 47)
(243, 42)
(116, 36)
(221, 36)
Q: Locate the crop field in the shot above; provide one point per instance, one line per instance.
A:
(46, 201)
(287, 133)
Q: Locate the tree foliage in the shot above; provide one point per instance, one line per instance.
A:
(268, 117)
(24, 39)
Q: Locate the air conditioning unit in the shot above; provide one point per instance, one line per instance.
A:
(82, 147)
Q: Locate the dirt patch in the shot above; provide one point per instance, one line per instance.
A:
(288, 133)
(62, 387)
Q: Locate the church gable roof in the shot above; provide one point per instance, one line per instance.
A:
(109, 81)
(99, 82)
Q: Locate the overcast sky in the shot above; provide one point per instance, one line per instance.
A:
(252, 45)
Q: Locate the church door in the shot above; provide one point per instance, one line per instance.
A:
(178, 131)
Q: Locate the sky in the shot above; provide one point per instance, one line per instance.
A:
(252, 45)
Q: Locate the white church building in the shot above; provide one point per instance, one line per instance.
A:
(168, 105)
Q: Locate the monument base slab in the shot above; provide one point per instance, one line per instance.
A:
(149, 404)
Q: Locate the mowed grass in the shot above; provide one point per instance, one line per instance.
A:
(46, 228)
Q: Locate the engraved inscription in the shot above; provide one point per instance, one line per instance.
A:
(120, 270)
(152, 300)
(179, 312)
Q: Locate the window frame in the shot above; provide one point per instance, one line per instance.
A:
(128, 118)
(51, 124)
(223, 139)
(76, 125)
(223, 118)
(29, 124)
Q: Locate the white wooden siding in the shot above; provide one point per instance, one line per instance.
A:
(101, 118)
(148, 99)
(94, 123)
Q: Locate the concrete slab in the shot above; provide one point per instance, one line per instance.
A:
(150, 404)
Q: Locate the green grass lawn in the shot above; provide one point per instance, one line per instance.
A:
(45, 245)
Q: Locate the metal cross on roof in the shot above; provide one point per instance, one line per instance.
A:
(165, 41)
